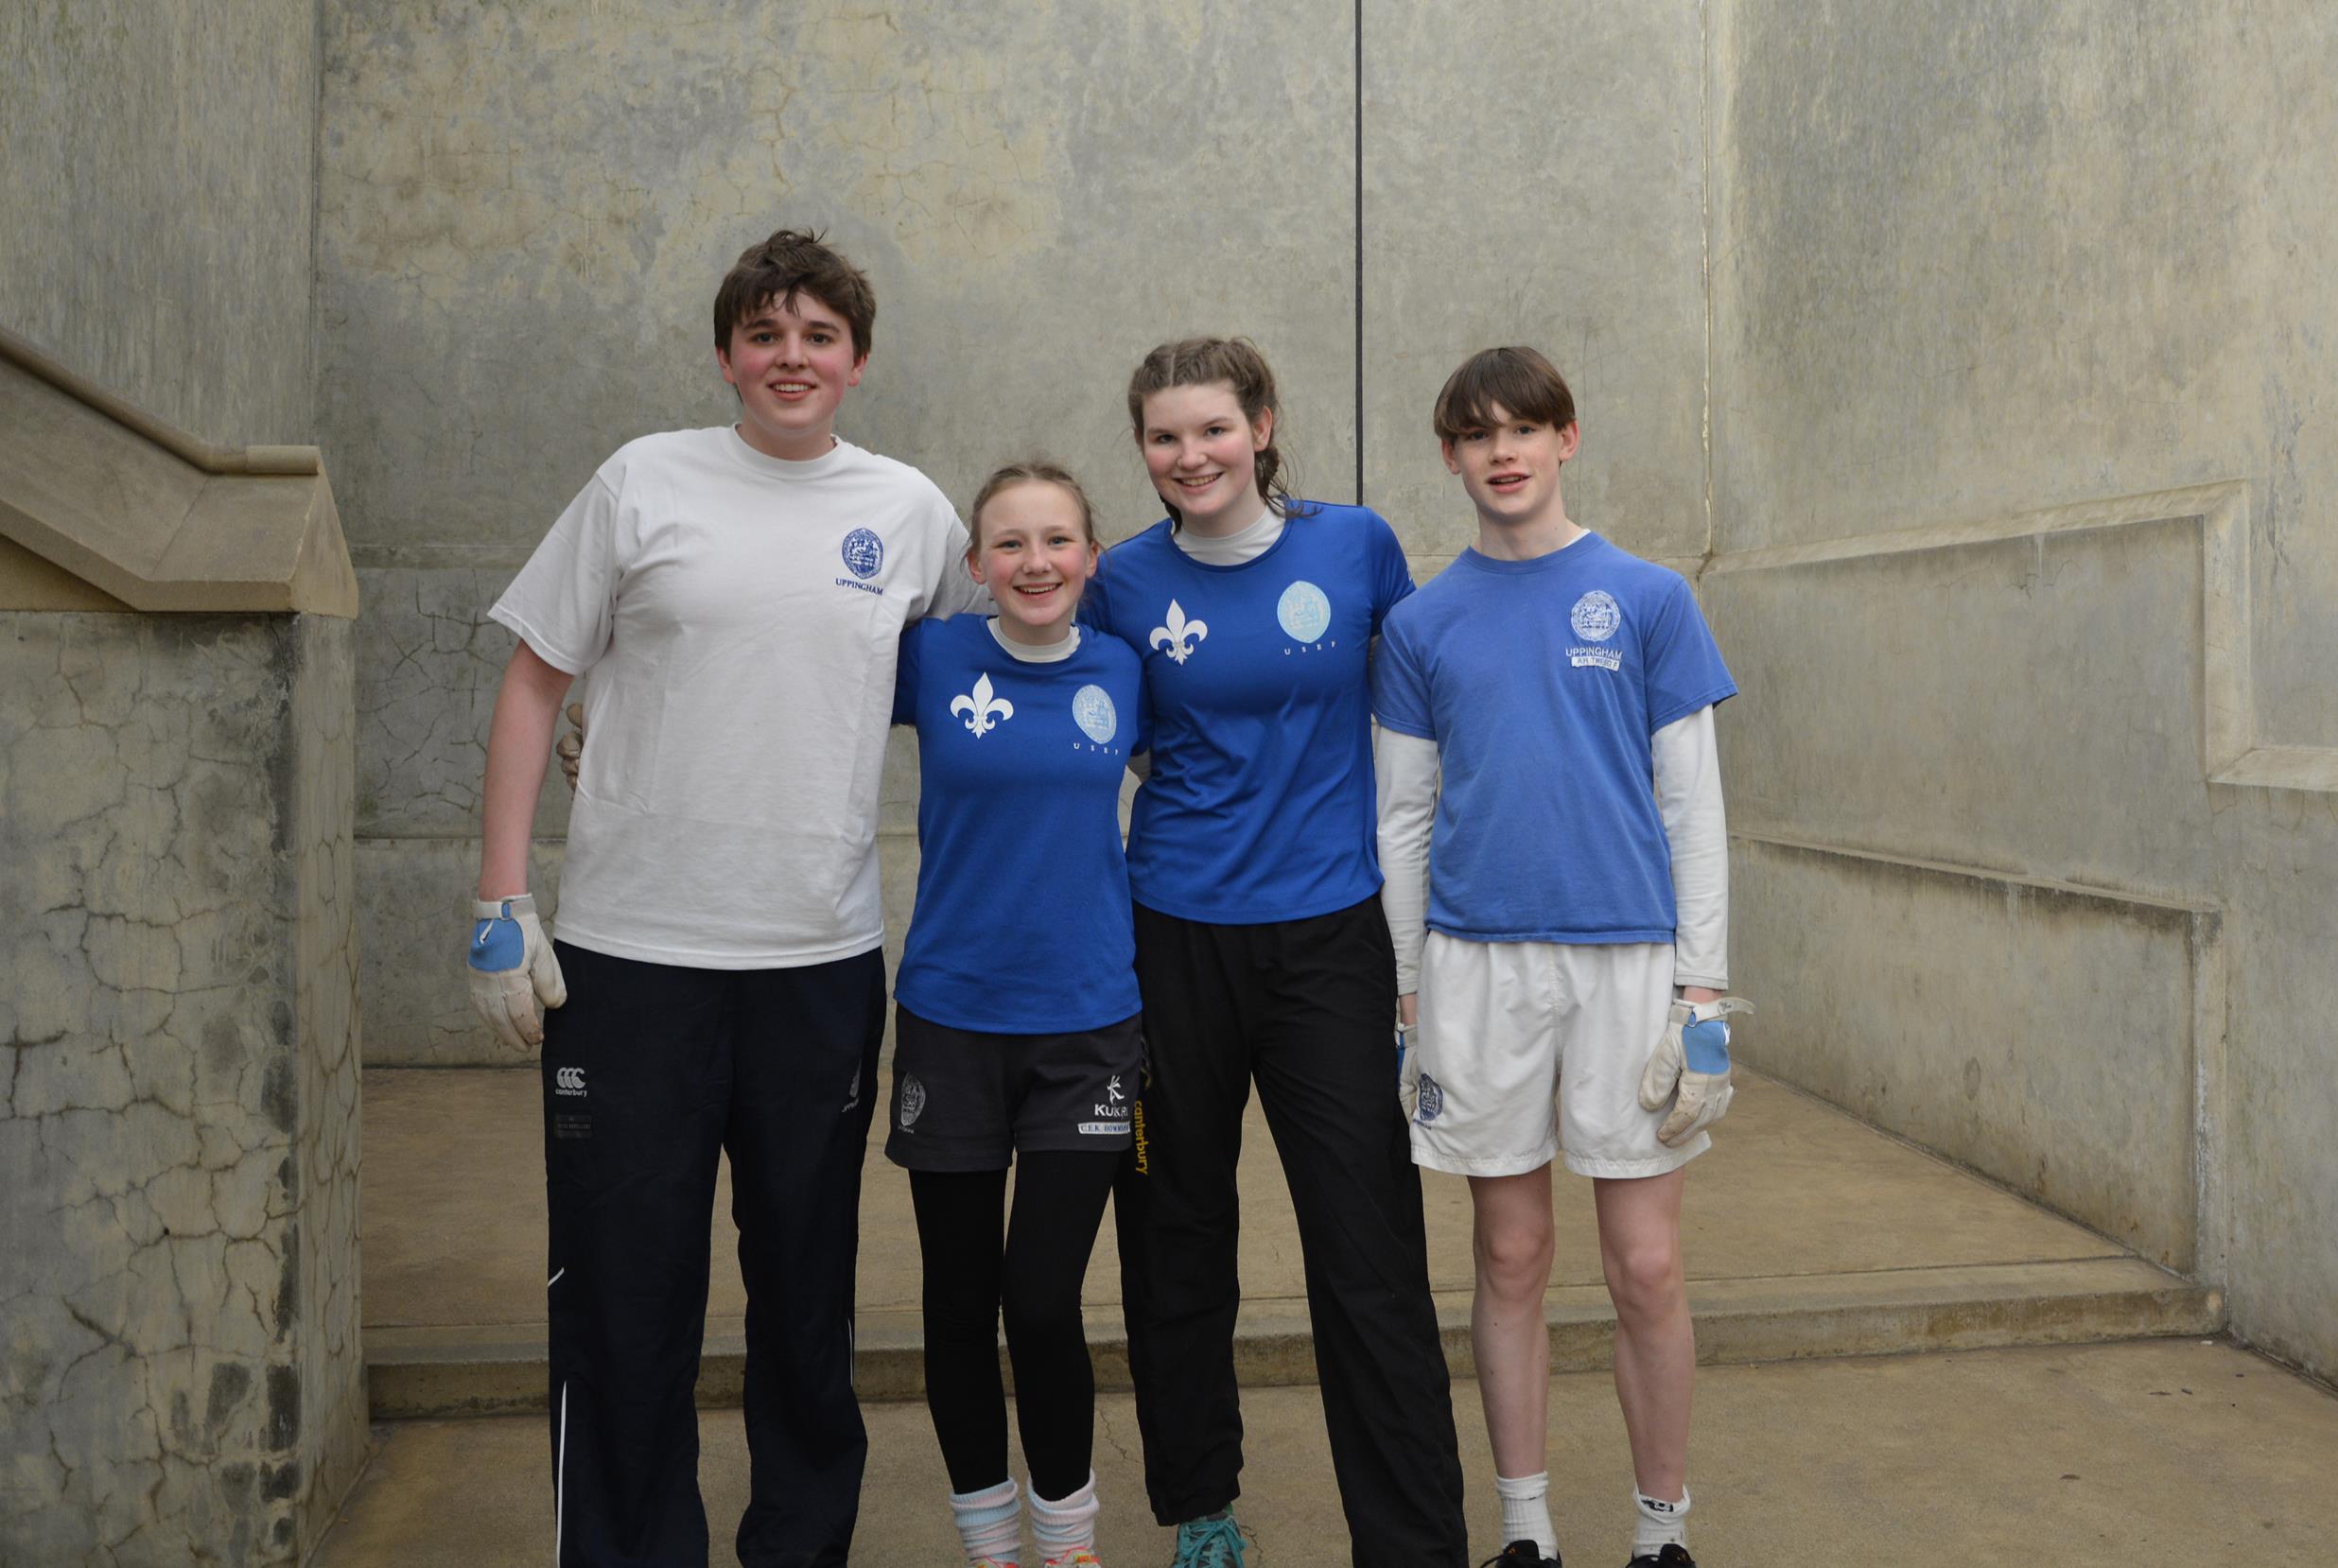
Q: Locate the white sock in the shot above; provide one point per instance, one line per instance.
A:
(1658, 1524)
(1066, 1525)
(1526, 1512)
(990, 1522)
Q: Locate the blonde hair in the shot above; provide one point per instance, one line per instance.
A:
(1031, 470)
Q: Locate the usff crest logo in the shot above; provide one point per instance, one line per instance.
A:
(1304, 611)
(1432, 1101)
(1092, 711)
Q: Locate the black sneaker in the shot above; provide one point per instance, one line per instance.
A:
(1519, 1553)
(1673, 1556)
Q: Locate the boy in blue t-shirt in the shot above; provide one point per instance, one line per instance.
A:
(1569, 963)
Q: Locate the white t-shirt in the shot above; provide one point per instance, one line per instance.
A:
(736, 618)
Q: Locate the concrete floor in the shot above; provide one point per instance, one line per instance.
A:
(453, 1211)
(2146, 1452)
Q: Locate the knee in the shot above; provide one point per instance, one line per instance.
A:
(1514, 1260)
(1644, 1278)
(1039, 1315)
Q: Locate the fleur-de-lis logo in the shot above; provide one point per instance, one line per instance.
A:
(983, 712)
(1179, 636)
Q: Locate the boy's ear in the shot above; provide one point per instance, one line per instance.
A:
(723, 362)
(1570, 439)
(857, 366)
(1453, 464)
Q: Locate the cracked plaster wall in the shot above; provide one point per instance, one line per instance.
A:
(158, 183)
(179, 1126)
(523, 214)
(1972, 260)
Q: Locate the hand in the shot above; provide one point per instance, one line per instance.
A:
(1690, 1069)
(570, 748)
(513, 968)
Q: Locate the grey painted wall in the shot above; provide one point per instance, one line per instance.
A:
(1972, 261)
(180, 1378)
(520, 241)
(158, 184)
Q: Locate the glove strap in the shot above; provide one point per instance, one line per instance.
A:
(1699, 1011)
(503, 909)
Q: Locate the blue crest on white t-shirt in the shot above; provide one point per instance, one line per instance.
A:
(1091, 710)
(863, 552)
(1596, 615)
(1304, 611)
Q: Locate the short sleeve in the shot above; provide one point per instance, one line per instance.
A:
(905, 675)
(1684, 665)
(1391, 577)
(1400, 688)
(957, 593)
(564, 600)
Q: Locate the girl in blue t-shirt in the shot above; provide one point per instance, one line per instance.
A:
(1015, 1022)
(1264, 957)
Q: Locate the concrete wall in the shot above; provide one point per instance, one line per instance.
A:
(523, 216)
(159, 181)
(178, 1132)
(1991, 281)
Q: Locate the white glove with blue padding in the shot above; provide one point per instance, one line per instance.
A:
(1690, 1070)
(513, 968)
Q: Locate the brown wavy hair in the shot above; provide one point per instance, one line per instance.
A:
(1207, 362)
(792, 262)
(1525, 385)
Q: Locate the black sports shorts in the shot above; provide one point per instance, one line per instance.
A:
(965, 1101)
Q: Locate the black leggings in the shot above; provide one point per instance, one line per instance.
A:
(1034, 1272)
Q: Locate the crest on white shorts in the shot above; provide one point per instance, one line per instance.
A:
(1432, 1101)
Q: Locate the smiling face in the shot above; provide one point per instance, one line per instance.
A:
(1033, 552)
(1203, 455)
(1510, 470)
(793, 364)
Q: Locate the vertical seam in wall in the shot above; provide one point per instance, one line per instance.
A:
(1704, 238)
(1360, 253)
(314, 370)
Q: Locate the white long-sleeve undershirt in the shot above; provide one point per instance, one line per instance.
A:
(1689, 797)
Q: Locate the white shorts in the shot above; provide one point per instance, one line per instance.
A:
(1525, 1047)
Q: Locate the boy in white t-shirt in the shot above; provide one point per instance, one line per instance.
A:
(733, 600)
(1569, 962)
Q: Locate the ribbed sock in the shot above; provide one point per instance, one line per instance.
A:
(1526, 1512)
(990, 1522)
(1065, 1526)
(1657, 1524)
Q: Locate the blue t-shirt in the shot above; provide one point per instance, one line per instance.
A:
(1260, 804)
(1021, 925)
(1540, 682)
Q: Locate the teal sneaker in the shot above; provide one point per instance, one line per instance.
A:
(1208, 1543)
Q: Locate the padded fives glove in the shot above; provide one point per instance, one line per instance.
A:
(512, 970)
(1690, 1069)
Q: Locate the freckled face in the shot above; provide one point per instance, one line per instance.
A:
(792, 365)
(1035, 558)
(1203, 455)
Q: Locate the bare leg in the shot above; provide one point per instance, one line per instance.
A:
(1513, 1241)
(1655, 1344)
